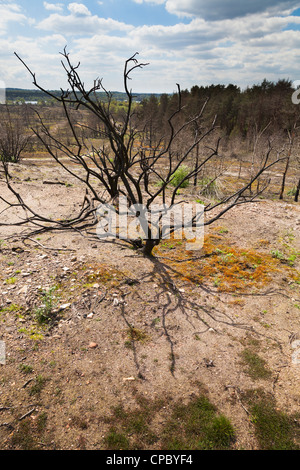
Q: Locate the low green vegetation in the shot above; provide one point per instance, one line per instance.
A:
(178, 177)
(255, 366)
(274, 429)
(210, 187)
(197, 426)
(31, 434)
(46, 313)
(11, 280)
(26, 369)
(135, 335)
(194, 426)
(38, 386)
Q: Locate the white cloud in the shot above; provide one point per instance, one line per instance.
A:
(10, 12)
(229, 48)
(153, 2)
(78, 9)
(201, 34)
(80, 21)
(241, 51)
(220, 9)
(53, 6)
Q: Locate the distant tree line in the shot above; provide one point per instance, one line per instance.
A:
(19, 95)
(238, 113)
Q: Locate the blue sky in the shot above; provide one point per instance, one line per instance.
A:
(185, 41)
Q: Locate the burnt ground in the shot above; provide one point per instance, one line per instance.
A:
(124, 327)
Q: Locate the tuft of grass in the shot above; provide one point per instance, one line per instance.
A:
(36, 389)
(30, 434)
(46, 313)
(115, 440)
(255, 366)
(197, 426)
(274, 429)
(292, 191)
(11, 280)
(23, 438)
(26, 368)
(277, 254)
(134, 334)
(130, 429)
(210, 188)
(178, 177)
(79, 422)
(11, 308)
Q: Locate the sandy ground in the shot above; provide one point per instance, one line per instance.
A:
(188, 335)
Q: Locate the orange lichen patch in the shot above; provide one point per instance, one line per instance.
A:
(104, 273)
(238, 302)
(263, 242)
(227, 267)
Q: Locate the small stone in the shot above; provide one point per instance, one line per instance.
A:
(64, 306)
(90, 315)
(24, 290)
(209, 362)
(93, 345)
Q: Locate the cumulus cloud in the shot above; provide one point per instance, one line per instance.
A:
(53, 6)
(153, 2)
(78, 9)
(220, 9)
(221, 42)
(10, 12)
(201, 34)
(80, 21)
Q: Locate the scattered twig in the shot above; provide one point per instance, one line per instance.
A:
(47, 247)
(55, 182)
(237, 393)
(27, 414)
(26, 383)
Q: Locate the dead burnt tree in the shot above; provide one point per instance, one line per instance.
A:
(296, 198)
(291, 140)
(123, 165)
(13, 136)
